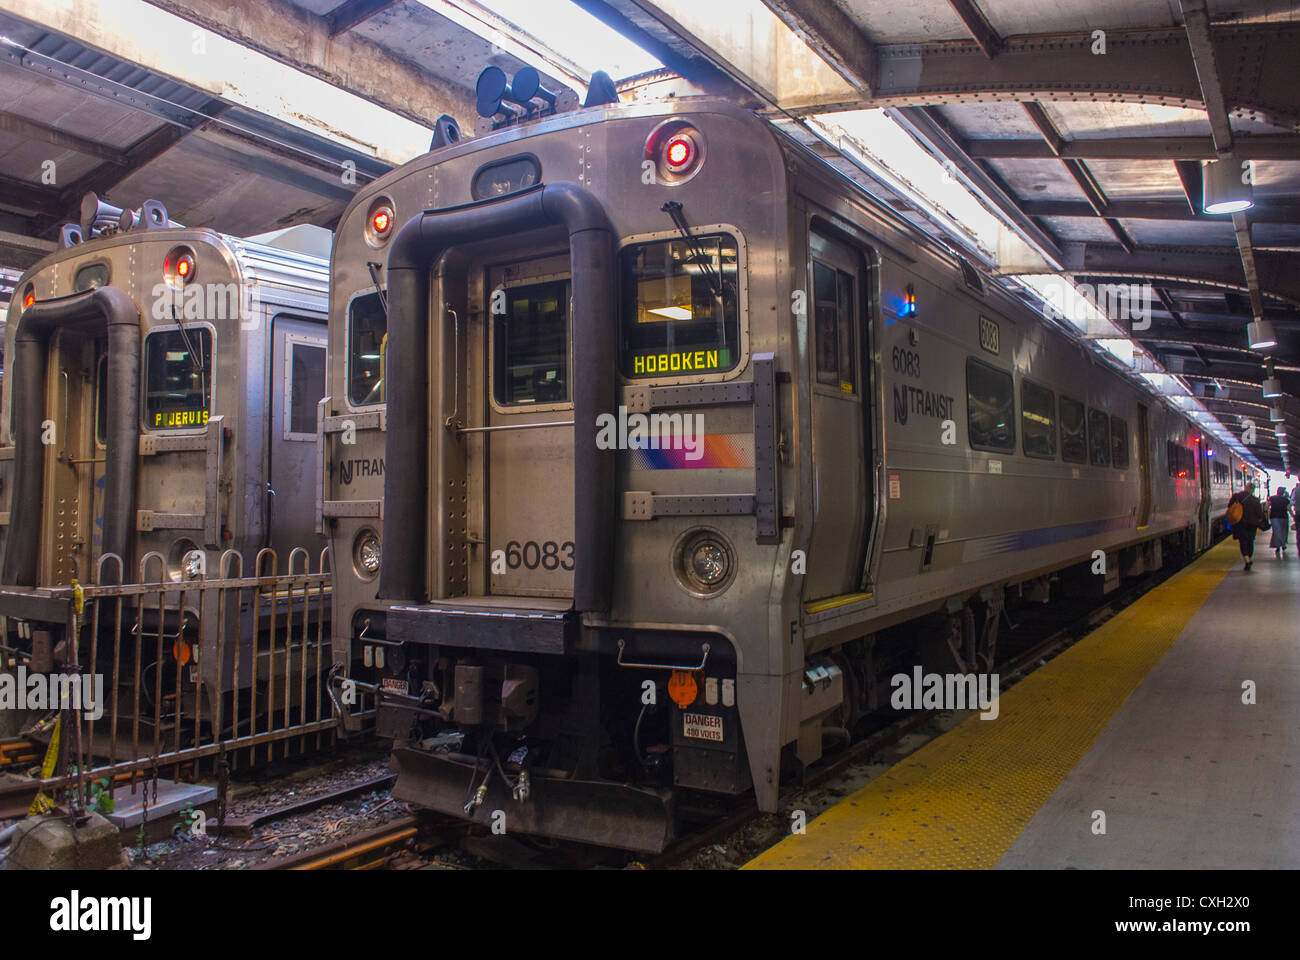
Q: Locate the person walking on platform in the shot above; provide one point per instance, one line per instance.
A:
(1295, 514)
(1246, 515)
(1279, 518)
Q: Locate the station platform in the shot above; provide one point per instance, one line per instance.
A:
(1142, 721)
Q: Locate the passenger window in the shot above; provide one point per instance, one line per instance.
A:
(178, 377)
(990, 407)
(1119, 443)
(306, 387)
(1099, 438)
(833, 302)
(680, 312)
(1037, 422)
(367, 350)
(1074, 441)
(530, 345)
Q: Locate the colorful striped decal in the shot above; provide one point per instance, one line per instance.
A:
(727, 451)
(1041, 537)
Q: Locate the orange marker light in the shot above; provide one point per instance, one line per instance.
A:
(29, 300)
(682, 688)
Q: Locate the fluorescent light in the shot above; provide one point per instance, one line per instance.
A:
(560, 30)
(1272, 387)
(672, 313)
(1275, 415)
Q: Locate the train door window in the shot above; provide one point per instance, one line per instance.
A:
(833, 299)
(1074, 440)
(304, 376)
(367, 349)
(1181, 462)
(530, 345)
(1037, 420)
(178, 377)
(680, 306)
(1119, 443)
(990, 407)
(1098, 438)
(101, 402)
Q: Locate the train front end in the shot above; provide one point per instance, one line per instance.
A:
(553, 481)
(135, 421)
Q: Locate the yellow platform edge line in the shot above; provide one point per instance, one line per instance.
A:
(961, 801)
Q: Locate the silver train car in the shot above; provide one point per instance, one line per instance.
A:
(653, 446)
(159, 407)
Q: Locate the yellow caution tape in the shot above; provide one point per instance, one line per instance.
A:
(42, 803)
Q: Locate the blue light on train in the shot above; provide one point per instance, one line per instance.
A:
(909, 302)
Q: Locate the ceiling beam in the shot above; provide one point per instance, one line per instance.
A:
(354, 12)
(1220, 266)
(1078, 170)
(30, 129)
(140, 154)
(1281, 146)
(834, 36)
(1265, 211)
(358, 69)
(1141, 66)
(980, 29)
(29, 197)
(1196, 21)
(928, 125)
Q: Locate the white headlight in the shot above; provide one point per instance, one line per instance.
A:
(192, 565)
(367, 554)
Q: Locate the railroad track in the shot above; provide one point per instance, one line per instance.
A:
(365, 851)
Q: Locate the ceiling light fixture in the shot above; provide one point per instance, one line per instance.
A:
(1227, 185)
(1260, 334)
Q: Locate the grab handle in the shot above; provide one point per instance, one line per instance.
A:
(704, 658)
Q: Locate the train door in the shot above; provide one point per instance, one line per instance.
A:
(839, 463)
(528, 440)
(72, 527)
(297, 385)
(1144, 467)
(1203, 515)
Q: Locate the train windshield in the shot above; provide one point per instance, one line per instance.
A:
(367, 346)
(178, 377)
(680, 314)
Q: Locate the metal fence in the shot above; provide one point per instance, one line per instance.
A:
(195, 672)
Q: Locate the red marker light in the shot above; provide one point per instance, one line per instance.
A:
(28, 298)
(183, 268)
(382, 221)
(678, 153)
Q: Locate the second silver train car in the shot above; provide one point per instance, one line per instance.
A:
(159, 406)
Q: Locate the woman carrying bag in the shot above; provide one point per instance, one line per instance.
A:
(1246, 516)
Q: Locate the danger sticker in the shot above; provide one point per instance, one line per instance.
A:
(393, 684)
(701, 726)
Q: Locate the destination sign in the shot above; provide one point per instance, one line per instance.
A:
(170, 419)
(681, 361)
